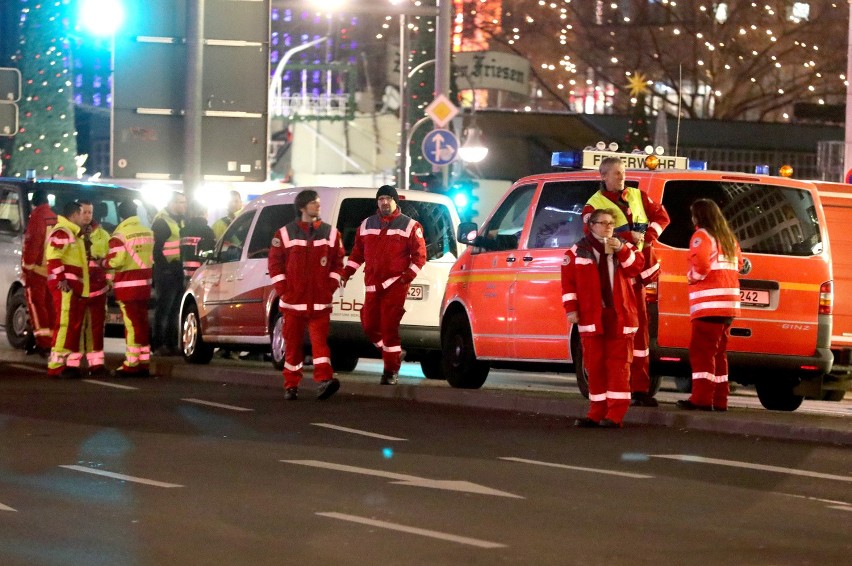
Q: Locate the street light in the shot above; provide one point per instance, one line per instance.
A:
(101, 17)
(473, 150)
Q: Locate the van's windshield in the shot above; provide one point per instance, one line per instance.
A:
(438, 230)
(765, 218)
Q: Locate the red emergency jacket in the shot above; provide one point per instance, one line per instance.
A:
(657, 221)
(392, 247)
(714, 284)
(305, 264)
(581, 286)
(42, 218)
(66, 257)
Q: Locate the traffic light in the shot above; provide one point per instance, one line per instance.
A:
(430, 182)
(101, 17)
(463, 193)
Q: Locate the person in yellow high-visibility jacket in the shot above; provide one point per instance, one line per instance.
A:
(68, 280)
(131, 255)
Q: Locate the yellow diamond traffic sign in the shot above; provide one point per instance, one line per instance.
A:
(441, 110)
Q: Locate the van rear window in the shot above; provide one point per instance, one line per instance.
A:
(765, 218)
(438, 230)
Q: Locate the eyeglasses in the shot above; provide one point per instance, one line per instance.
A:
(604, 223)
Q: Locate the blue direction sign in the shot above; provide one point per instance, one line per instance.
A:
(440, 147)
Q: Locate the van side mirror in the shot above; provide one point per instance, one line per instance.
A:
(466, 233)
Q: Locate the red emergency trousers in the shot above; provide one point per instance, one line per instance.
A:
(714, 291)
(606, 333)
(393, 252)
(658, 220)
(137, 351)
(93, 328)
(40, 308)
(71, 311)
(305, 265)
(39, 300)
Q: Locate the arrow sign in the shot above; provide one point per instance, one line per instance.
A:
(440, 147)
(403, 479)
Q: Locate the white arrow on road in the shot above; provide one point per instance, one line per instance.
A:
(404, 479)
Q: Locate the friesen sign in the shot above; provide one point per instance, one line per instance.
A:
(491, 69)
(592, 160)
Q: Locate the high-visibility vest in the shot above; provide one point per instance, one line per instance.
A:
(131, 255)
(171, 248)
(99, 239)
(66, 257)
(634, 201)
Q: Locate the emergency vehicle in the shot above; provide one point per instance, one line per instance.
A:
(503, 307)
(837, 204)
(230, 300)
(15, 208)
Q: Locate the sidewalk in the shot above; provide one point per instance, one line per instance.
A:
(826, 429)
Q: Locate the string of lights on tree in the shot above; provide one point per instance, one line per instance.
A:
(739, 59)
(46, 139)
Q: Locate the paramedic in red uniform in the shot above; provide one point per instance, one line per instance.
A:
(305, 264)
(598, 297)
(639, 221)
(714, 301)
(39, 302)
(391, 246)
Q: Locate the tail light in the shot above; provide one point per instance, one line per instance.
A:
(826, 298)
(651, 292)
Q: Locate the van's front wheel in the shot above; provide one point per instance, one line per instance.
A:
(461, 368)
(776, 393)
(432, 365)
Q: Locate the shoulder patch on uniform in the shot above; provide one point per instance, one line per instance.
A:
(419, 232)
(323, 261)
(696, 242)
(566, 261)
(276, 242)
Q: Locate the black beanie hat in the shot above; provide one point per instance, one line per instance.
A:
(388, 191)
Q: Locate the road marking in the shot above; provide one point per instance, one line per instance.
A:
(840, 507)
(403, 479)
(25, 367)
(578, 468)
(7, 508)
(413, 530)
(122, 477)
(751, 466)
(219, 405)
(108, 384)
(361, 432)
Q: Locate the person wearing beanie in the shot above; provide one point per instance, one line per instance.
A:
(391, 247)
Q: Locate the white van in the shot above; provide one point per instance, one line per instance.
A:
(231, 301)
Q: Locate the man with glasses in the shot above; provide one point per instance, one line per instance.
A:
(639, 221)
(598, 297)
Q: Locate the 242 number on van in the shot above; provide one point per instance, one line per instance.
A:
(752, 298)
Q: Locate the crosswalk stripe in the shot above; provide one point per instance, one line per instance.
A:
(361, 432)
(578, 468)
(751, 466)
(219, 405)
(108, 384)
(122, 477)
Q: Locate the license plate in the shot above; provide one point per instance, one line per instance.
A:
(752, 298)
(415, 293)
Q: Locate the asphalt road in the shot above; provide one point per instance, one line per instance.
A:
(170, 471)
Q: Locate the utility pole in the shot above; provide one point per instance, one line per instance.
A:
(194, 98)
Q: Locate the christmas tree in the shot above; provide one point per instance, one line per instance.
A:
(421, 86)
(637, 126)
(46, 139)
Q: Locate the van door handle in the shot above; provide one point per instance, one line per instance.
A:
(528, 258)
(511, 259)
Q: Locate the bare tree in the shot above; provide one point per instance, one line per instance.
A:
(727, 60)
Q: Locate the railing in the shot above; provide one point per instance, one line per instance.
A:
(317, 106)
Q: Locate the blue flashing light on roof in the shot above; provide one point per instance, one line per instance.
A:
(761, 169)
(697, 165)
(567, 159)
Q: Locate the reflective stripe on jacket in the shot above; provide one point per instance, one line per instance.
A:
(714, 285)
(305, 264)
(131, 250)
(170, 251)
(66, 257)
